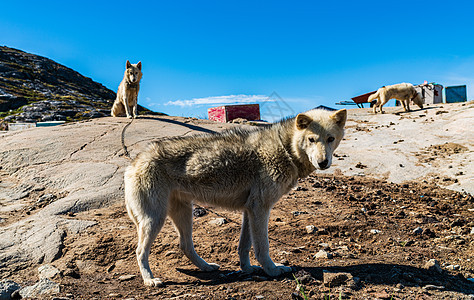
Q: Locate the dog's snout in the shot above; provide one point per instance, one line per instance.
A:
(323, 164)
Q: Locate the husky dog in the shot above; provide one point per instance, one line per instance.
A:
(403, 92)
(246, 170)
(127, 94)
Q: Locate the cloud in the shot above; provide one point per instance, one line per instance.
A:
(221, 100)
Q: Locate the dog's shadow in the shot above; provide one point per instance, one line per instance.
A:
(364, 274)
(187, 125)
(412, 110)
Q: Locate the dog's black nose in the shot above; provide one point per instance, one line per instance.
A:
(323, 164)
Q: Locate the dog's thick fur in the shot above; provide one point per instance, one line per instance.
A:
(127, 95)
(246, 170)
(403, 92)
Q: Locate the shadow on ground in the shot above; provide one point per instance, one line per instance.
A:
(366, 274)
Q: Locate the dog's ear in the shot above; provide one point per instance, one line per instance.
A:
(302, 121)
(128, 64)
(340, 117)
(139, 65)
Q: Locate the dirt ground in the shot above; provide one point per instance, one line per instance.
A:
(378, 235)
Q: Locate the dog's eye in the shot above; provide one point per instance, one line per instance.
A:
(311, 140)
(330, 139)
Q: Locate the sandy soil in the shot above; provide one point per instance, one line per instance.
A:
(366, 225)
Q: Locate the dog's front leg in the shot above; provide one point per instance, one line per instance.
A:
(245, 244)
(135, 105)
(258, 220)
(127, 108)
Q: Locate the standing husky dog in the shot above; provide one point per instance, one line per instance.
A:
(247, 170)
(403, 92)
(127, 94)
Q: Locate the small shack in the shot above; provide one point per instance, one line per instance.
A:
(227, 113)
(431, 93)
(455, 94)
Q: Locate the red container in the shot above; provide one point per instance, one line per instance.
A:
(362, 98)
(228, 113)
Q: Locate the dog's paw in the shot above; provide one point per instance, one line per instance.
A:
(210, 267)
(251, 269)
(153, 282)
(277, 270)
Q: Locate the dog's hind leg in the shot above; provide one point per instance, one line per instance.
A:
(181, 212)
(383, 100)
(148, 211)
(245, 244)
(376, 105)
(148, 228)
(118, 109)
(258, 220)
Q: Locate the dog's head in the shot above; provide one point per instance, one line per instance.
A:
(317, 134)
(418, 100)
(133, 72)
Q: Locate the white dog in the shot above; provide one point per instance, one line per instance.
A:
(403, 92)
(247, 170)
(127, 95)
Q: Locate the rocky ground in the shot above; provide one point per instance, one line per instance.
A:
(359, 232)
(34, 88)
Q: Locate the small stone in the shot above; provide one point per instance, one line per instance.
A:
(431, 287)
(126, 277)
(44, 286)
(453, 267)
(48, 271)
(325, 246)
(199, 212)
(335, 279)
(322, 231)
(472, 230)
(433, 265)
(114, 295)
(297, 213)
(323, 254)
(259, 297)
(218, 221)
(304, 278)
(310, 229)
(170, 253)
(375, 231)
(381, 295)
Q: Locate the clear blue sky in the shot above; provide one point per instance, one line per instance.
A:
(197, 54)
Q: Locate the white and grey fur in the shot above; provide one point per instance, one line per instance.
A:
(245, 170)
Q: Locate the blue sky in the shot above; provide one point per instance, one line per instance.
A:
(199, 54)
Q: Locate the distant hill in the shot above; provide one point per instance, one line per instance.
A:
(34, 88)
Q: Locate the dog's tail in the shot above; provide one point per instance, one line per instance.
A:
(374, 96)
(125, 150)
